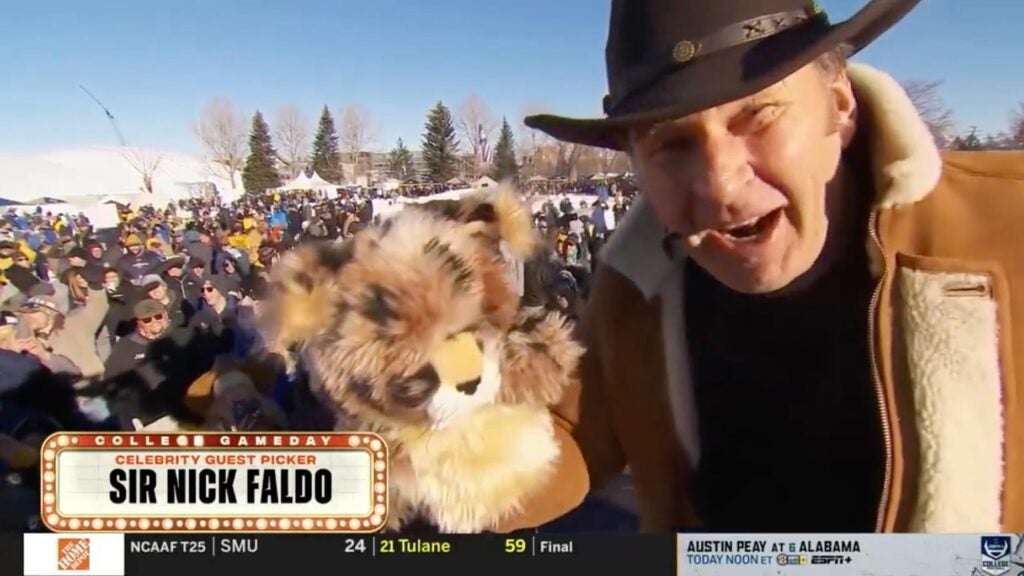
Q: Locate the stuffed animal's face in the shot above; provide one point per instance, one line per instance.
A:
(404, 323)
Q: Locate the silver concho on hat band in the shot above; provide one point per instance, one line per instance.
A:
(685, 51)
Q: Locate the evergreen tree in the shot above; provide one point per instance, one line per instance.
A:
(260, 172)
(400, 162)
(325, 160)
(504, 163)
(440, 149)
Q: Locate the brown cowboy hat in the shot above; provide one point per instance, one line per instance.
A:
(671, 58)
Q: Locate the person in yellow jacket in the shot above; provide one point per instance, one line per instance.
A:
(254, 239)
(9, 248)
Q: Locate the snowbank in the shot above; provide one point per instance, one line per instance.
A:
(103, 171)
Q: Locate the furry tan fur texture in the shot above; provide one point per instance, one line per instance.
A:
(952, 348)
(412, 329)
(907, 164)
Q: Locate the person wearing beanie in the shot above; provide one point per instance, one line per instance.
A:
(223, 314)
(172, 271)
(118, 322)
(192, 282)
(179, 311)
(136, 262)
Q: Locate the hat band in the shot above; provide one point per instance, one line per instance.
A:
(736, 34)
(744, 32)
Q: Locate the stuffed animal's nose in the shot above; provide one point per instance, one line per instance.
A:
(468, 388)
(459, 363)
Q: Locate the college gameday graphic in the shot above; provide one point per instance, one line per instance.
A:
(213, 482)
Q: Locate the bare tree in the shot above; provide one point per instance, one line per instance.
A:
(292, 131)
(145, 163)
(1016, 136)
(933, 110)
(476, 126)
(568, 157)
(223, 132)
(532, 143)
(357, 131)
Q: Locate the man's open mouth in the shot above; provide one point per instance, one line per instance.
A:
(752, 229)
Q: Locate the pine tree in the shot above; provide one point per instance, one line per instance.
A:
(260, 172)
(325, 160)
(504, 163)
(440, 149)
(400, 162)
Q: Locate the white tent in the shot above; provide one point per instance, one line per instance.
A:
(320, 185)
(300, 182)
(303, 182)
(455, 181)
(485, 182)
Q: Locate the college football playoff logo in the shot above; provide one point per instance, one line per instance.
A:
(995, 554)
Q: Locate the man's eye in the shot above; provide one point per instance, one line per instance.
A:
(756, 119)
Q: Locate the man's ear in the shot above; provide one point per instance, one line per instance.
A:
(845, 107)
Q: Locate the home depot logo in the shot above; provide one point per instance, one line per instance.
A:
(73, 554)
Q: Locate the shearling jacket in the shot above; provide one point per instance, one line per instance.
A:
(946, 321)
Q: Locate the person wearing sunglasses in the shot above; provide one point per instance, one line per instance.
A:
(224, 315)
(151, 322)
(140, 365)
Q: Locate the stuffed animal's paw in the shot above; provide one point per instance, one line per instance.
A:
(539, 359)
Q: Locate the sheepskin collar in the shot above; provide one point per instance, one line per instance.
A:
(905, 165)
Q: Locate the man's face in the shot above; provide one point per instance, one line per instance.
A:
(749, 178)
(21, 260)
(153, 326)
(96, 252)
(135, 249)
(35, 319)
(211, 295)
(174, 272)
(159, 292)
(198, 271)
(111, 280)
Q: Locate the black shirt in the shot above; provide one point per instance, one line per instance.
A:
(791, 437)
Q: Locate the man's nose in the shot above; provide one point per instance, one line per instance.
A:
(726, 173)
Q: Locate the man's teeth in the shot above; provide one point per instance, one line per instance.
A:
(750, 222)
(745, 230)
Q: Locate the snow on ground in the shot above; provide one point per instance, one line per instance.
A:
(102, 171)
(88, 177)
(389, 207)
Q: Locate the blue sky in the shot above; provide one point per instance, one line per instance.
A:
(156, 63)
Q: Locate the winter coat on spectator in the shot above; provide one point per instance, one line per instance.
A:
(197, 249)
(76, 340)
(132, 267)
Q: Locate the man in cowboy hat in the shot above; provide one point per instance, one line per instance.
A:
(804, 324)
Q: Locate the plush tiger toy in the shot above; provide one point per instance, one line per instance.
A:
(413, 329)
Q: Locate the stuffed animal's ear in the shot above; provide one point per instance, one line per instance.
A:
(300, 305)
(500, 215)
(515, 224)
